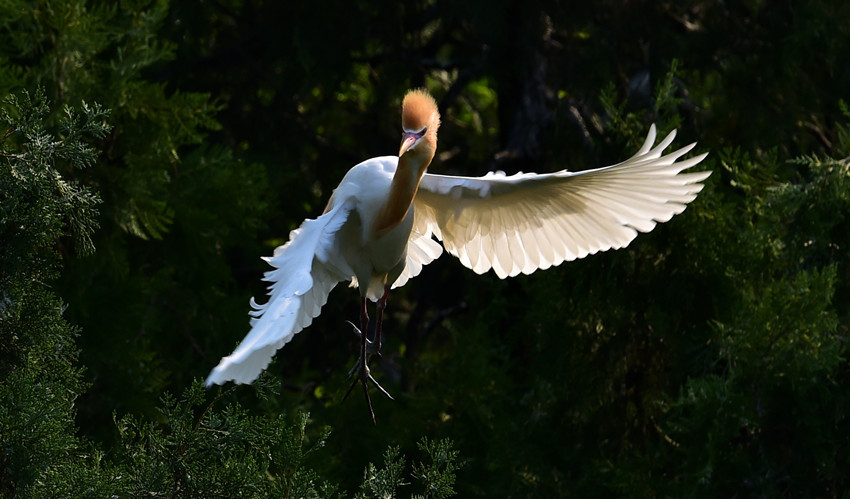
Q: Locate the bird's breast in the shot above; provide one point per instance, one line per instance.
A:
(389, 249)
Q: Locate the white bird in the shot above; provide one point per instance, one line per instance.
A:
(378, 230)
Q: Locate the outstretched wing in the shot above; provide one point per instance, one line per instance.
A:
(525, 222)
(300, 283)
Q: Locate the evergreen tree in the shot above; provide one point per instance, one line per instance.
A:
(41, 213)
(149, 303)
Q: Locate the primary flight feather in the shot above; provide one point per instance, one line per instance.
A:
(379, 227)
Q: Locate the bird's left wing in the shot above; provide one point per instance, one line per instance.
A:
(303, 277)
(525, 222)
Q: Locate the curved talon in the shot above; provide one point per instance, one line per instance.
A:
(355, 328)
(347, 393)
(381, 388)
(363, 377)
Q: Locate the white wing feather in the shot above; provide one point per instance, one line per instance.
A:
(525, 222)
(300, 284)
(421, 250)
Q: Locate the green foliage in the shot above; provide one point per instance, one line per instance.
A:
(434, 478)
(38, 209)
(780, 347)
(216, 453)
(156, 179)
(33, 187)
(633, 124)
(209, 452)
(437, 476)
(383, 482)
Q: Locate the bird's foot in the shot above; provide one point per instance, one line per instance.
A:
(372, 349)
(361, 373)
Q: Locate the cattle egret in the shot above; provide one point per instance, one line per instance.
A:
(378, 230)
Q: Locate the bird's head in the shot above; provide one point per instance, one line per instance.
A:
(420, 120)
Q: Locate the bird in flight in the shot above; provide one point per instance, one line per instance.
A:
(379, 228)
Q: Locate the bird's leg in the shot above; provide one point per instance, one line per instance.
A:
(379, 320)
(364, 327)
(361, 367)
(365, 343)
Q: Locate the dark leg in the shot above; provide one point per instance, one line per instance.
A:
(364, 327)
(361, 367)
(382, 304)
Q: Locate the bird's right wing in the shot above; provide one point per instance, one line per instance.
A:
(529, 221)
(300, 283)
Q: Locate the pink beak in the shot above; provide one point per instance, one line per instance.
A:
(408, 140)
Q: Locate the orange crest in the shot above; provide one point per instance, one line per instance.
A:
(419, 110)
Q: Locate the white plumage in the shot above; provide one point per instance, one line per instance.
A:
(529, 221)
(510, 224)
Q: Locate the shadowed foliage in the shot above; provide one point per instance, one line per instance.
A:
(152, 151)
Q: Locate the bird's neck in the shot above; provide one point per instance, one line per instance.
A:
(403, 189)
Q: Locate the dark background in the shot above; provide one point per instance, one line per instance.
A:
(708, 358)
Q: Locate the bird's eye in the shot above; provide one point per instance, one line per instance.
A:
(418, 135)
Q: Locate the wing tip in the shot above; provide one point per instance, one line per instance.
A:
(244, 369)
(219, 376)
